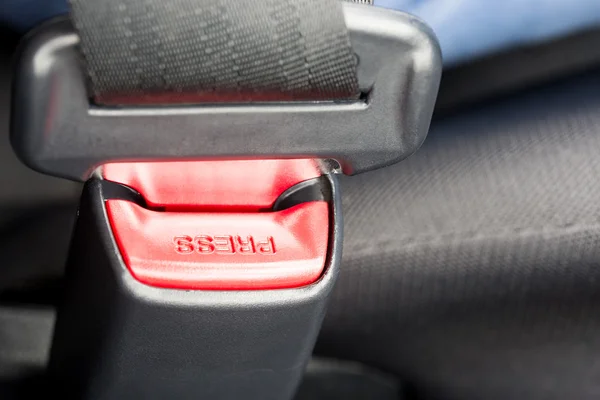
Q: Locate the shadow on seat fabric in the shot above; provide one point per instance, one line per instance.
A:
(472, 269)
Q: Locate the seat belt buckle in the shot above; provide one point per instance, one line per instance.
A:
(204, 279)
(209, 235)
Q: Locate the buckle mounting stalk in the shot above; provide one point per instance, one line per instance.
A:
(121, 335)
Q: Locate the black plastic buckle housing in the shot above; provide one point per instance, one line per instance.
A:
(55, 129)
(117, 338)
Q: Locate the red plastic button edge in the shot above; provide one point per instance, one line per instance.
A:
(147, 242)
(250, 185)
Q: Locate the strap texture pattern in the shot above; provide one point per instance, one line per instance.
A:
(215, 50)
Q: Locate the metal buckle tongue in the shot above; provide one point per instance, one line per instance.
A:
(56, 130)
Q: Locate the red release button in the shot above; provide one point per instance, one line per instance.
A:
(222, 251)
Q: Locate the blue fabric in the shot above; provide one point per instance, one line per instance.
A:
(465, 28)
(471, 28)
(24, 14)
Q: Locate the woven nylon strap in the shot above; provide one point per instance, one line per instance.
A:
(173, 51)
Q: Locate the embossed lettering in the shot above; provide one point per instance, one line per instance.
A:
(267, 246)
(205, 244)
(183, 244)
(245, 246)
(224, 244)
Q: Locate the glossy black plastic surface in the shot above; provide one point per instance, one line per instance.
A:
(117, 338)
(55, 130)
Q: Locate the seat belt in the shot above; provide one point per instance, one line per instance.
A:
(157, 51)
(209, 135)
